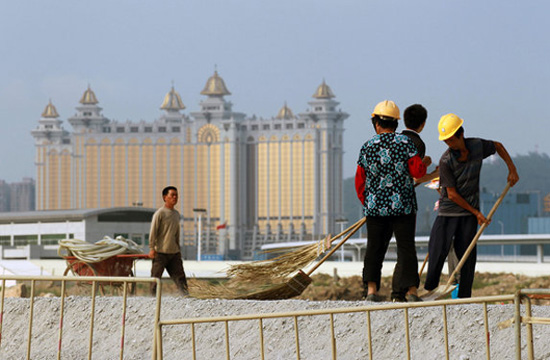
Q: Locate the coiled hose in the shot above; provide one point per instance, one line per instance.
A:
(99, 251)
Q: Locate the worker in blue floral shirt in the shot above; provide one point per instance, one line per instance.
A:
(384, 183)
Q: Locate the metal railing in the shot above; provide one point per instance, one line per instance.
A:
(528, 319)
(295, 316)
(95, 281)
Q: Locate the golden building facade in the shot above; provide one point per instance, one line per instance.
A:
(258, 180)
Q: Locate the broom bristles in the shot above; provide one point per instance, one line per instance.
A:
(280, 267)
(234, 289)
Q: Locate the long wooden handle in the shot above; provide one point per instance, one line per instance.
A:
(479, 232)
(423, 265)
(356, 227)
(362, 220)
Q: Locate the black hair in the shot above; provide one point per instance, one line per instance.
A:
(414, 116)
(167, 189)
(459, 132)
(384, 123)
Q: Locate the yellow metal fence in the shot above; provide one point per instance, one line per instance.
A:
(332, 341)
(124, 283)
(296, 319)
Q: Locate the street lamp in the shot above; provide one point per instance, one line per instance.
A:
(501, 226)
(199, 212)
(342, 222)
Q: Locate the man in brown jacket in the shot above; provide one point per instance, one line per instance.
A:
(164, 242)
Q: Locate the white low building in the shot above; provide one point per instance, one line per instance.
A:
(35, 234)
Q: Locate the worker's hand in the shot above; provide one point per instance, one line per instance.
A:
(427, 161)
(152, 253)
(513, 177)
(481, 218)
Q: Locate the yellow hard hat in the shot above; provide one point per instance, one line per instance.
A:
(386, 108)
(448, 125)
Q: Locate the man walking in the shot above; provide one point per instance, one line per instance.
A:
(458, 214)
(164, 242)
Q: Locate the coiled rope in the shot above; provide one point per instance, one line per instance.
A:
(99, 251)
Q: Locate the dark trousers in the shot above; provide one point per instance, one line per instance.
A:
(174, 265)
(379, 233)
(458, 231)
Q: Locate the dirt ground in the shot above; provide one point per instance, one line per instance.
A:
(325, 287)
(467, 337)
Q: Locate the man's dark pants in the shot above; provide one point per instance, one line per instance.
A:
(458, 231)
(174, 265)
(379, 231)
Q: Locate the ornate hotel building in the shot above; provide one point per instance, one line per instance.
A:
(258, 180)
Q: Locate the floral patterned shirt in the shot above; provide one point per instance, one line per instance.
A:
(389, 187)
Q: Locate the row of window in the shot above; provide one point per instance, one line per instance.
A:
(146, 129)
(177, 129)
(275, 126)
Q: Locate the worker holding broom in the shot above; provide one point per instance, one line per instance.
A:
(458, 213)
(387, 164)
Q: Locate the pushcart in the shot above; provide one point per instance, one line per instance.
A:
(118, 265)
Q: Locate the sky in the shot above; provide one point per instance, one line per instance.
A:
(486, 61)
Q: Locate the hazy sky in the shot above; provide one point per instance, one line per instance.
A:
(487, 61)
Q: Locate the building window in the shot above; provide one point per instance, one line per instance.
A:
(176, 129)
(148, 129)
(106, 129)
(301, 126)
(522, 198)
(243, 127)
(288, 126)
(162, 129)
(318, 108)
(134, 129)
(265, 127)
(49, 126)
(277, 126)
(119, 129)
(254, 127)
(66, 141)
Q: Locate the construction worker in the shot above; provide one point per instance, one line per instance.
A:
(415, 117)
(384, 183)
(164, 238)
(458, 213)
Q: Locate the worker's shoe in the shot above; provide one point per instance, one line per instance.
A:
(375, 298)
(398, 299)
(413, 298)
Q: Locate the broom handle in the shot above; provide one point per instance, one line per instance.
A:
(356, 227)
(423, 265)
(474, 241)
(346, 231)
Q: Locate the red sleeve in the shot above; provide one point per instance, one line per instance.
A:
(360, 179)
(417, 169)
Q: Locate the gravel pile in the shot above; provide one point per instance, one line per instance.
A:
(466, 330)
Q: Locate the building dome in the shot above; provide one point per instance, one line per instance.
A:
(215, 86)
(285, 113)
(89, 97)
(323, 92)
(172, 101)
(50, 111)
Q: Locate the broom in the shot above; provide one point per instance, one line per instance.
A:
(285, 264)
(443, 290)
(299, 282)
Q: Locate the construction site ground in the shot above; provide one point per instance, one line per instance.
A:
(465, 322)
